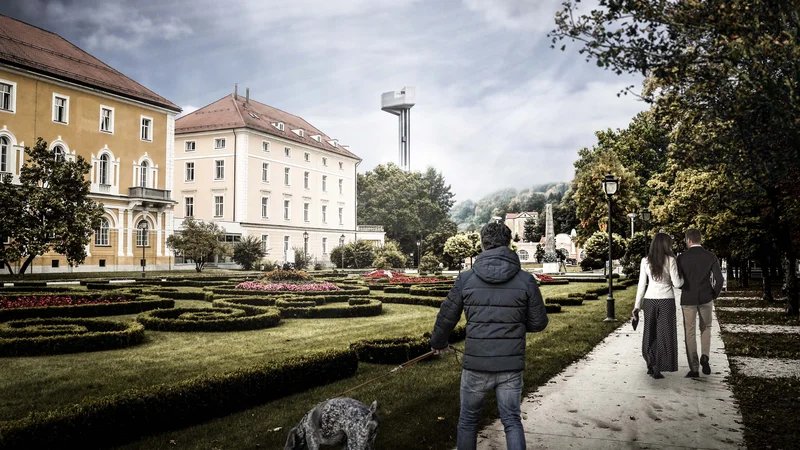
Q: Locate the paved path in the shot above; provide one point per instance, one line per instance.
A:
(607, 401)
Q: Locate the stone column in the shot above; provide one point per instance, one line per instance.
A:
(159, 215)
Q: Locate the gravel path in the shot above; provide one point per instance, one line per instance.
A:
(770, 329)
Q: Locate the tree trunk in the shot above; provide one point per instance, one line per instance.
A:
(746, 274)
(730, 271)
(766, 279)
(28, 261)
(10, 269)
(790, 285)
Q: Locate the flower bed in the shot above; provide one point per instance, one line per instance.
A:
(399, 277)
(33, 337)
(40, 301)
(542, 277)
(83, 305)
(289, 287)
(209, 319)
(287, 276)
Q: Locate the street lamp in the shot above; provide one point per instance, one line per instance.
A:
(305, 247)
(610, 186)
(143, 233)
(632, 216)
(419, 256)
(341, 246)
(646, 220)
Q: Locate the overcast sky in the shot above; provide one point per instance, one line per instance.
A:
(496, 107)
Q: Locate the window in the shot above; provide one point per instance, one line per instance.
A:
(265, 242)
(143, 174)
(219, 169)
(106, 119)
(280, 126)
(341, 216)
(285, 246)
(54, 263)
(305, 211)
(305, 179)
(341, 186)
(324, 183)
(265, 207)
(307, 157)
(325, 162)
(7, 95)
(101, 233)
(523, 255)
(58, 153)
(104, 169)
(341, 165)
(287, 152)
(147, 128)
(142, 234)
(4, 152)
(324, 213)
(264, 147)
(190, 171)
(286, 205)
(189, 206)
(60, 108)
(324, 246)
(101, 263)
(219, 143)
(265, 172)
(189, 146)
(219, 205)
(286, 176)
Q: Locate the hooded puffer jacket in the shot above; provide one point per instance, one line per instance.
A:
(502, 303)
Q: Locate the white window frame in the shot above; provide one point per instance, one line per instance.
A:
(324, 246)
(149, 136)
(306, 212)
(103, 173)
(186, 146)
(223, 141)
(287, 245)
(324, 213)
(143, 236)
(287, 176)
(264, 207)
(110, 129)
(341, 165)
(186, 178)
(144, 176)
(341, 215)
(324, 183)
(188, 202)
(219, 208)
(287, 152)
(265, 172)
(341, 186)
(5, 154)
(307, 157)
(265, 146)
(12, 100)
(306, 180)
(281, 126)
(101, 234)
(265, 243)
(66, 108)
(325, 162)
(216, 170)
(287, 209)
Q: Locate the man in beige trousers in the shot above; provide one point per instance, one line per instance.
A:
(702, 283)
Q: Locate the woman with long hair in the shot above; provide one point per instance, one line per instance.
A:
(659, 276)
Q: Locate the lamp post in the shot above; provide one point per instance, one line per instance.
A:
(646, 220)
(143, 231)
(632, 216)
(419, 256)
(305, 248)
(610, 185)
(341, 245)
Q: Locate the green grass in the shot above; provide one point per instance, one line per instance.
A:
(411, 401)
(757, 318)
(762, 345)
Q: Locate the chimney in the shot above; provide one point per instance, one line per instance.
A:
(247, 96)
(236, 91)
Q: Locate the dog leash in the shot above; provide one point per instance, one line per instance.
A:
(408, 363)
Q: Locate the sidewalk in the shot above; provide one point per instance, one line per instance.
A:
(607, 401)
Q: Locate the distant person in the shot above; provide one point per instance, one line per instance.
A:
(658, 273)
(702, 284)
(502, 303)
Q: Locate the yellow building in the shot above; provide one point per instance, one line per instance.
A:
(50, 88)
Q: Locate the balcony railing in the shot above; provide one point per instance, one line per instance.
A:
(149, 193)
(367, 228)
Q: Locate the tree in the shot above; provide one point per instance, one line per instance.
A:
(248, 252)
(475, 238)
(529, 231)
(48, 211)
(539, 253)
(429, 264)
(198, 241)
(302, 260)
(359, 254)
(391, 255)
(597, 246)
(434, 241)
(459, 247)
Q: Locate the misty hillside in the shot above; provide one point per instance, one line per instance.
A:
(471, 215)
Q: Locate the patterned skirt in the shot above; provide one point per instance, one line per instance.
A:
(660, 334)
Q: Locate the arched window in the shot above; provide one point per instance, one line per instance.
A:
(523, 255)
(104, 169)
(58, 153)
(4, 152)
(142, 229)
(101, 233)
(143, 174)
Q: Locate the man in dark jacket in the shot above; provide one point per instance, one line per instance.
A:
(702, 283)
(502, 303)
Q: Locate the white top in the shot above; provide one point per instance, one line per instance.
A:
(662, 288)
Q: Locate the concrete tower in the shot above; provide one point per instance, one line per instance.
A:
(400, 104)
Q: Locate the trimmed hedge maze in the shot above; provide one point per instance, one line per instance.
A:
(209, 319)
(391, 351)
(306, 307)
(96, 305)
(50, 336)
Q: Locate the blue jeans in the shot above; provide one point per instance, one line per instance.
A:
(508, 390)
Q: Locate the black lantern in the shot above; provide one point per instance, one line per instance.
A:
(610, 186)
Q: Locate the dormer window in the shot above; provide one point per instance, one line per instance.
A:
(299, 132)
(334, 142)
(280, 126)
(317, 138)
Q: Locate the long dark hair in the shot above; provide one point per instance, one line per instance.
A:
(660, 250)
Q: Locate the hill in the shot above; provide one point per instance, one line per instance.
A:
(471, 215)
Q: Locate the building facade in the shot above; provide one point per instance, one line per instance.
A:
(51, 89)
(516, 222)
(258, 171)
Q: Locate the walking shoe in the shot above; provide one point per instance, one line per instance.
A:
(649, 370)
(693, 374)
(657, 375)
(706, 366)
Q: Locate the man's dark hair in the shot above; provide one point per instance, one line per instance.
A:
(693, 234)
(495, 234)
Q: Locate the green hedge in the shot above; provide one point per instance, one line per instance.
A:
(252, 306)
(397, 290)
(377, 287)
(182, 295)
(134, 306)
(418, 301)
(280, 303)
(29, 284)
(428, 291)
(33, 337)
(552, 309)
(129, 415)
(226, 319)
(391, 351)
(358, 301)
(373, 308)
(552, 283)
(565, 301)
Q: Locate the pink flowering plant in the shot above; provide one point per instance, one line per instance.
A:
(290, 287)
(39, 301)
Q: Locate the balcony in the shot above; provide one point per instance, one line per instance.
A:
(370, 228)
(150, 197)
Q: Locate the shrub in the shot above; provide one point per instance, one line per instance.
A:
(33, 337)
(215, 319)
(390, 256)
(397, 289)
(295, 304)
(429, 263)
(247, 252)
(554, 282)
(589, 263)
(133, 306)
(380, 263)
(270, 265)
(358, 301)
(428, 291)
(302, 260)
(287, 276)
(565, 301)
(552, 309)
(96, 422)
(373, 308)
(391, 351)
(183, 294)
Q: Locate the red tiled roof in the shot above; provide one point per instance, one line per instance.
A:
(227, 113)
(510, 216)
(32, 48)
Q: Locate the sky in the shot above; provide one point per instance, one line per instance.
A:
(496, 106)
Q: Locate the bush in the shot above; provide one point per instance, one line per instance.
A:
(182, 295)
(97, 422)
(269, 265)
(280, 303)
(295, 276)
(429, 263)
(391, 351)
(380, 263)
(134, 306)
(552, 309)
(553, 282)
(428, 291)
(373, 308)
(247, 252)
(358, 301)
(302, 260)
(390, 255)
(397, 289)
(589, 263)
(565, 301)
(33, 337)
(215, 319)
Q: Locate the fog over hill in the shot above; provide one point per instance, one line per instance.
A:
(471, 215)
